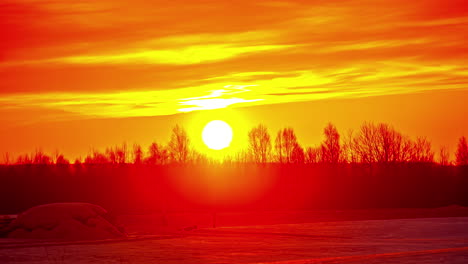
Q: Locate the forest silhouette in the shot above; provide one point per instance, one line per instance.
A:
(372, 143)
(374, 167)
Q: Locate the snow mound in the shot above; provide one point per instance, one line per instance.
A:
(69, 221)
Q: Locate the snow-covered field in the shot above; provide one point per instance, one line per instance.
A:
(420, 240)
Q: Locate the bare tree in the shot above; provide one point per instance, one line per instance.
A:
(179, 145)
(349, 148)
(279, 147)
(331, 149)
(422, 151)
(387, 143)
(297, 155)
(462, 152)
(121, 153)
(137, 154)
(444, 156)
(200, 158)
(24, 159)
(382, 143)
(242, 156)
(260, 144)
(406, 150)
(365, 143)
(41, 158)
(285, 143)
(157, 154)
(61, 160)
(6, 158)
(111, 156)
(117, 154)
(312, 155)
(96, 157)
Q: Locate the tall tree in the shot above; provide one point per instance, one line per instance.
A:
(297, 155)
(137, 154)
(462, 152)
(285, 144)
(349, 148)
(179, 145)
(331, 149)
(279, 147)
(260, 144)
(365, 143)
(121, 153)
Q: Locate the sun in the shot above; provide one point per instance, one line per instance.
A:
(217, 135)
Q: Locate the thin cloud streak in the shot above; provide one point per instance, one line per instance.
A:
(233, 91)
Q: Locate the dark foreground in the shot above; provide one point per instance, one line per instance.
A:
(419, 240)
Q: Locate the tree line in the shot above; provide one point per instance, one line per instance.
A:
(372, 143)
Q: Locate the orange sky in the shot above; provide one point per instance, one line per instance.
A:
(97, 73)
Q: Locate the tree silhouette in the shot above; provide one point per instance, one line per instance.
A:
(121, 154)
(382, 143)
(331, 149)
(365, 143)
(179, 145)
(6, 158)
(297, 155)
(24, 159)
(279, 147)
(312, 155)
(462, 152)
(259, 144)
(96, 158)
(388, 143)
(422, 151)
(157, 154)
(111, 155)
(285, 144)
(137, 154)
(61, 160)
(41, 158)
(379, 143)
(117, 155)
(348, 150)
(444, 156)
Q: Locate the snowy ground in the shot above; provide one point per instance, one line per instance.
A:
(421, 240)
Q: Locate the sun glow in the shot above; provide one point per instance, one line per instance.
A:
(217, 135)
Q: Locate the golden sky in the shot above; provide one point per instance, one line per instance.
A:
(68, 68)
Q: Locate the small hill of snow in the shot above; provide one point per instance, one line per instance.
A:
(69, 221)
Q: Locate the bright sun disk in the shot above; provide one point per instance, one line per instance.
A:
(217, 135)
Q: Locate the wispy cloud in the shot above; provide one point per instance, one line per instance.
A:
(186, 55)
